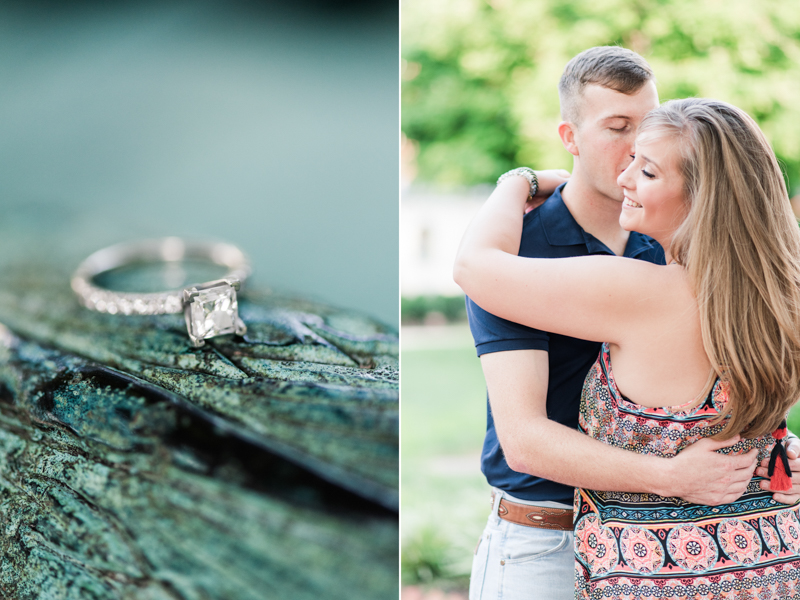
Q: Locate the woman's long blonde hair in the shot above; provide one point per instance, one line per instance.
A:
(740, 245)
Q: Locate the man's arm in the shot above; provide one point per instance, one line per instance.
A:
(532, 443)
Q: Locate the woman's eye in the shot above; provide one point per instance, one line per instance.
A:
(620, 129)
(633, 156)
(648, 175)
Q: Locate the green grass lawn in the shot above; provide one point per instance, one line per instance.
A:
(444, 402)
(444, 496)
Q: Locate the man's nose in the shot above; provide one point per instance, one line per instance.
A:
(632, 143)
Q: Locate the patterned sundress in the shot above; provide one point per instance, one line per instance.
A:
(643, 546)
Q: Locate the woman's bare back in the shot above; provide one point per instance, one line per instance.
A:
(661, 361)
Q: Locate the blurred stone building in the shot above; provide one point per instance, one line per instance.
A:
(431, 226)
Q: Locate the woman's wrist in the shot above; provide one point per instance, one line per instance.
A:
(525, 173)
(513, 190)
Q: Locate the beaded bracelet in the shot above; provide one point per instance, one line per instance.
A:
(525, 172)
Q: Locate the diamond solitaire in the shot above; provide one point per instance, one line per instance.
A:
(212, 310)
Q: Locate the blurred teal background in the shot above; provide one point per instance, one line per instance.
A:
(268, 125)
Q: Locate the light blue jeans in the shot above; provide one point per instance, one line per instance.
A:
(514, 562)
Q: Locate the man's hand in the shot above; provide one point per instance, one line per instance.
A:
(793, 452)
(702, 475)
(549, 180)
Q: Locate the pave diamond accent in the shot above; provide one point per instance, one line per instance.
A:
(212, 310)
(106, 301)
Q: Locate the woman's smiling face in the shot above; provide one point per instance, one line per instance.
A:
(655, 203)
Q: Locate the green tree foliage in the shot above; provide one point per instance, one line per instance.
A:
(480, 77)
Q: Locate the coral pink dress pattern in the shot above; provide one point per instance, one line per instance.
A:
(643, 546)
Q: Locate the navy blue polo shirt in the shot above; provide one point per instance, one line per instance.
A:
(549, 231)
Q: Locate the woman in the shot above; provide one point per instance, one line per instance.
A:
(708, 345)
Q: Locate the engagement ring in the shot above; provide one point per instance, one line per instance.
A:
(210, 308)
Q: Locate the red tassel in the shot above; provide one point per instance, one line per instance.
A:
(780, 481)
(780, 475)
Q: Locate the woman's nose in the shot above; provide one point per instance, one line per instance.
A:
(625, 179)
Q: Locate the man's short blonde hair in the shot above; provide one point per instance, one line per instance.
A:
(612, 67)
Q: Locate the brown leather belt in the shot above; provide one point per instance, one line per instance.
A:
(534, 516)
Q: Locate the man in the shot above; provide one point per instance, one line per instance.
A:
(533, 456)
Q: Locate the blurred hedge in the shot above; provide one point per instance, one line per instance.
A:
(479, 92)
(424, 309)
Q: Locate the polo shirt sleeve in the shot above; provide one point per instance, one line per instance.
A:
(493, 334)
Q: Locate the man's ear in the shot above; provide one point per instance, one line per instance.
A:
(566, 132)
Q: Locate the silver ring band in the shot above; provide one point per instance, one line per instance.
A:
(169, 249)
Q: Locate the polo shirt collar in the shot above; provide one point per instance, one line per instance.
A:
(561, 229)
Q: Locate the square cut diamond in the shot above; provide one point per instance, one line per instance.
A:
(212, 311)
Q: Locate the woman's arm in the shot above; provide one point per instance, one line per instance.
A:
(599, 298)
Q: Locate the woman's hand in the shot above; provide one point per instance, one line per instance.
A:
(549, 180)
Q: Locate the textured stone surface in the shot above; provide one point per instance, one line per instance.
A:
(133, 465)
